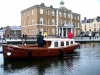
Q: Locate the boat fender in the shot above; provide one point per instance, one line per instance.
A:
(29, 53)
(1, 52)
(61, 52)
(79, 47)
(8, 53)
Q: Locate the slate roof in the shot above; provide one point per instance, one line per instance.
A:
(15, 27)
(98, 19)
(90, 20)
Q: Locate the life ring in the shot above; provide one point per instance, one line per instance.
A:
(9, 53)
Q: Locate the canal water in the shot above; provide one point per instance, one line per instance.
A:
(84, 61)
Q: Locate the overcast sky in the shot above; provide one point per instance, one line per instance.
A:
(10, 9)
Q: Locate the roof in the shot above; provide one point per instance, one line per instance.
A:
(15, 27)
(98, 19)
(90, 20)
(43, 6)
(37, 6)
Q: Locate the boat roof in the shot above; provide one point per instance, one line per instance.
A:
(58, 39)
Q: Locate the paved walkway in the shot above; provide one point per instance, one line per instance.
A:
(86, 39)
(78, 39)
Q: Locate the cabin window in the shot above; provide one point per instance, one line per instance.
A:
(56, 44)
(62, 43)
(67, 43)
(71, 42)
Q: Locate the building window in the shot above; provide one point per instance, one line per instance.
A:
(24, 13)
(68, 15)
(53, 31)
(53, 13)
(94, 29)
(41, 20)
(28, 22)
(78, 24)
(99, 29)
(41, 11)
(78, 17)
(41, 29)
(65, 15)
(47, 12)
(32, 22)
(69, 22)
(47, 21)
(32, 31)
(24, 23)
(71, 16)
(27, 13)
(60, 14)
(60, 22)
(53, 22)
(94, 25)
(64, 22)
(32, 12)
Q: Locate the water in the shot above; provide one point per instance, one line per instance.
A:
(84, 61)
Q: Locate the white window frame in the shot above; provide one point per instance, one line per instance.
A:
(53, 31)
(53, 22)
(78, 24)
(32, 21)
(69, 22)
(78, 17)
(48, 21)
(71, 16)
(53, 13)
(24, 13)
(41, 11)
(68, 15)
(41, 20)
(32, 12)
(65, 15)
(64, 22)
(60, 22)
(41, 29)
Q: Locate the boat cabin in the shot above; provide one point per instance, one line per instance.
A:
(58, 42)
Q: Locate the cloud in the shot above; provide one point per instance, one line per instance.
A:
(10, 9)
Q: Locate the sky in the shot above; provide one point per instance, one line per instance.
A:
(10, 9)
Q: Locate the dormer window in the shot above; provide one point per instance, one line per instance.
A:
(53, 13)
(65, 15)
(68, 15)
